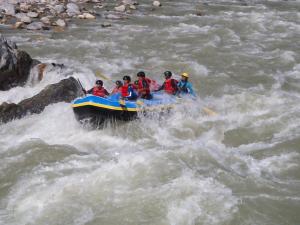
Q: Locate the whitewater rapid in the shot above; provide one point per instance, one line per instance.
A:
(238, 167)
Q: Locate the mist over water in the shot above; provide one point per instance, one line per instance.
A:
(239, 167)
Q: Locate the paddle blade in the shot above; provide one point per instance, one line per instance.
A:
(139, 103)
(101, 75)
(209, 111)
(122, 102)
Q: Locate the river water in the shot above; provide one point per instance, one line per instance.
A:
(239, 167)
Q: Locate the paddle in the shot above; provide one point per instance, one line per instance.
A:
(83, 90)
(121, 101)
(99, 74)
(210, 112)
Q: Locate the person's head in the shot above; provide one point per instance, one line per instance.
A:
(168, 74)
(126, 79)
(184, 76)
(99, 83)
(141, 74)
(119, 83)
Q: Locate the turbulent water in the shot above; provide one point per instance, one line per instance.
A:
(239, 167)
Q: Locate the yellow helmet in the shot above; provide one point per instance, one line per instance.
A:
(185, 75)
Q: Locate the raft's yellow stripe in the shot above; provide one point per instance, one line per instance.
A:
(149, 108)
(104, 106)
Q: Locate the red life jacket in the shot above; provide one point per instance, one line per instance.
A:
(135, 87)
(124, 90)
(152, 84)
(168, 86)
(142, 89)
(149, 81)
(116, 90)
(101, 92)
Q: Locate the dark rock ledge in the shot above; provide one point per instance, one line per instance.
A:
(15, 66)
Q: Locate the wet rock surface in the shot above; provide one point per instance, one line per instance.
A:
(15, 65)
(64, 91)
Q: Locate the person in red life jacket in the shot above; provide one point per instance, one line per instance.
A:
(127, 91)
(98, 89)
(170, 84)
(136, 85)
(152, 83)
(118, 87)
(144, 86)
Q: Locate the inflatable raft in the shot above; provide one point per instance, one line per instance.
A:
(98, 110)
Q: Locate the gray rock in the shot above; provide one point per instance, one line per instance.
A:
(32, 14)
(105, 24)
(120, 8)
(23, 17)
(45, 20)
(133, 7)
(88, 16)
(24, 7)
(41, 10)
(64, 91)
(35, 26)
(8, 8)
(73, 9)
(59, 8)
(99, 6)
(129, 2)
(156, 3)
(15, 65)
(115, 17)
(18, 25)
(61, 23)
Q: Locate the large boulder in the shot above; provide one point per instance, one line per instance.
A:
(73, 9)
(64, 91)
(8, 8)
(35, 26)
(15, 65)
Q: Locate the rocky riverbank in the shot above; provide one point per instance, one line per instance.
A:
(15, 65)
(15, 68)
(64, 91)
(57, 14)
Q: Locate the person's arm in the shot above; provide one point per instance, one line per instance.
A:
(190, 88)
(174, 84)
(131, 93)
(90, 91)
(106, 92)
(179, 85)
(161, 87)
(145, 84)
(144, 88)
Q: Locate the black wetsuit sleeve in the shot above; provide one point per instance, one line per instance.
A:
(90, 91)
(106, 92)
(174, 84)
(145, 84)
(161, 87)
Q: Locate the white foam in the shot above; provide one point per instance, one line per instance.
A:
(278, 164)
(113, 187)
(287, 57)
